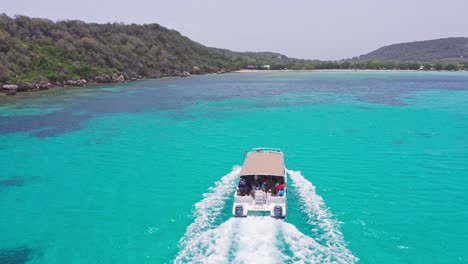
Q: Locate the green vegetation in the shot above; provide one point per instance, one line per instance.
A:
(34, 49)
(446, 49)
(373, 65)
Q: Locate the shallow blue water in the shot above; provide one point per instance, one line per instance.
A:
(113, 173)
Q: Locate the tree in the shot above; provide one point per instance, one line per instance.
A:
(438, 67)
(345, 65)
(402, 66)
(375, 64)
(414, 66)
(4, 74)
(450, 67)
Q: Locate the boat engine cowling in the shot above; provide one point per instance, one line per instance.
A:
(278, 211)
(239, 211)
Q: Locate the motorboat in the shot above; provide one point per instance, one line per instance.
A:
(262, 184)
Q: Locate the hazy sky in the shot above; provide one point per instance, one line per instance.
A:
(313, 29)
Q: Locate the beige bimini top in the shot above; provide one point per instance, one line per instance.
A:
(263, 163)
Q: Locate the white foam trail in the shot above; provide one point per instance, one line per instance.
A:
(262, 239)
(210, 246)
(208, 209)
(327, 231)
(304, 249)
(254, 240)
(257, 241)
(238, 240)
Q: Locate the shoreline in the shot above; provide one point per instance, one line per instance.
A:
(338, 70)
(6, 98)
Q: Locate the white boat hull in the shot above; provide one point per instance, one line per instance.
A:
(262, 187)
(275, 206)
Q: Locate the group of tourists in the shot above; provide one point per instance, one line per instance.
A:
(272, 185)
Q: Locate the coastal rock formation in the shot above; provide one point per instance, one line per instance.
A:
(81, 82)
(130, 75)
(154, 75)
(10, 86)
(196, 70)
(10, 89)
(117, 78)
(185, 74)
(43, 85)
(76, 83)
(103, 78)
(25, 86)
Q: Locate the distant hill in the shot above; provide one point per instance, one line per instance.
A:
(446, 49)
(36, 49)
(33, 49)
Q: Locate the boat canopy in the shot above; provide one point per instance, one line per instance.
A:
(260, 162)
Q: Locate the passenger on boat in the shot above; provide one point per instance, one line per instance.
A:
(281, 192)
(279, 187)
(257, 180)
(269, 192)
(242, 183)
(252, 192)
(264, 186)
(272, 191)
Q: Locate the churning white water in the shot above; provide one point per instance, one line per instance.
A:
(323, 224)
(258, 239)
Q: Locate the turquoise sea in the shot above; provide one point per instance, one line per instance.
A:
(144, 172)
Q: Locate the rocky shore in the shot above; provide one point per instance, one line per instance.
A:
(22, 86)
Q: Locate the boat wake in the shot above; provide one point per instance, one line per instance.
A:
(258, 239)
(210, 207)
(325, 227)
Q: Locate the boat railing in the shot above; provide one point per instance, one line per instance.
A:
(275, 199)
(266, 149)
(244, 199)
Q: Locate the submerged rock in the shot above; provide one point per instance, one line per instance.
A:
(18, 255)
(12, 182)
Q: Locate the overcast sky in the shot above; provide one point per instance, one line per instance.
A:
(310, 29)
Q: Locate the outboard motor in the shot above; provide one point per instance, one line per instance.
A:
(278, 211)
(239, 211)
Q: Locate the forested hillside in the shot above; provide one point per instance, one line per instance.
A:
(34, 49)
(447, 49)
(73, 52)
